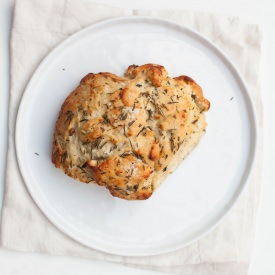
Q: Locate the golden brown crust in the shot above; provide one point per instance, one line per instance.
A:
(117, 172)
(128, 133)
(201, 101)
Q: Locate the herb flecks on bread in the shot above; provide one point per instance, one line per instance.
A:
(128, 133)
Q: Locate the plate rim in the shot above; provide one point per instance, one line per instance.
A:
(250, 107)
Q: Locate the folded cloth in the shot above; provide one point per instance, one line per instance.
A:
(38, 26)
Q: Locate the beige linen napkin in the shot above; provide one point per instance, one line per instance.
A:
(38, 26)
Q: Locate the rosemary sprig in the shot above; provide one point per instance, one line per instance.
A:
(172, 144)
(140, 131)
(160, 111)
(131, 123)
(124, 116)
(96, 143)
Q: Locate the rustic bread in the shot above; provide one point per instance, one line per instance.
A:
(128, 133)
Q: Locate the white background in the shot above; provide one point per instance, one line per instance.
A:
(254, 11)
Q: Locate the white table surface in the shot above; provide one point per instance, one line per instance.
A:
(254, 11)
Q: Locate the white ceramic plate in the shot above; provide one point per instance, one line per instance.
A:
(196, 196)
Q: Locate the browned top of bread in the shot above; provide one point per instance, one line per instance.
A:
(128, 133)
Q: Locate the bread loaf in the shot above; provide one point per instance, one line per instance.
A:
(128, 133)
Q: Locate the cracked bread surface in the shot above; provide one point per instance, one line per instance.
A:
(128, 133)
